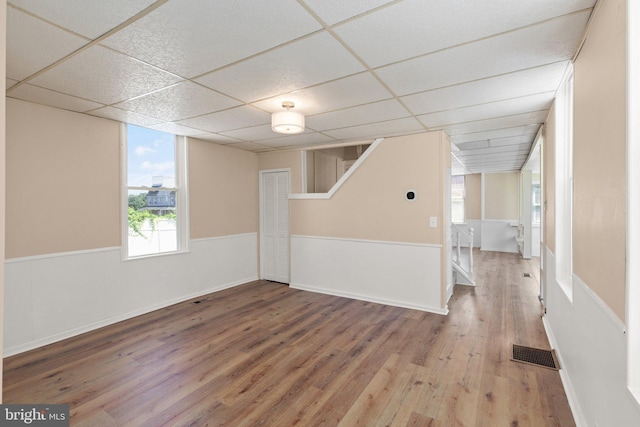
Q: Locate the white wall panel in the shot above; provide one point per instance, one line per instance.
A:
(399, 274)
(499, 236)
(50, 298)
(591, 344)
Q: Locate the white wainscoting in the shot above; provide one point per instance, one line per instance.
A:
(499, 236)
(399, 274)
(53, 297)
(591, 345)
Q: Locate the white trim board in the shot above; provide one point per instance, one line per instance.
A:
(392, 273)
(51, 298)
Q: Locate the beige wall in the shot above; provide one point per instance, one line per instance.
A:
(501, 196)
(371, 204)
(473, 196)
(223, 190)
(281, 160)
(63, 181)
(600, 157)
(326, 171)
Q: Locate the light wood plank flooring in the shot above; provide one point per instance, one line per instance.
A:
(265, 354)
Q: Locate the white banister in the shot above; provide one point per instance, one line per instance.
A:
(471, 249)
(465, 272)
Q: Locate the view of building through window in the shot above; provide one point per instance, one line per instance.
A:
(152, 192)
(457, 199)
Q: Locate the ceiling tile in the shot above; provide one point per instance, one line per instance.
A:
(334, 11)
(33, 44)
(545, 43)
(497, 142)
(249, 146)
(297, 140)
(254, 133)
(218, 139)
(377, 130)
(512, 85)
(192, 37)
(48, 97)
(369, 113)
(180, 101)
(176, 129)
(9, 83)
(494, 123)
(498, 153)
(234, 118)
(527, 130)
(90, 18)
(512, 140)
(350, 91)
(102, 75)
(434, 25)
(307, 62)
(514, 106)
(473, 144)
(125, 116)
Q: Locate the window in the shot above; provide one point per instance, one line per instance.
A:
(564, 185)
(155, 196)
(457, 199)
(535, 204)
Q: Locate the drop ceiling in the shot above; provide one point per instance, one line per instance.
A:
(484, 71)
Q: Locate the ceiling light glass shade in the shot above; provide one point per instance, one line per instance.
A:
(287, 122)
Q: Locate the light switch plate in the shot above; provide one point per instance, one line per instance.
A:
(433, 221)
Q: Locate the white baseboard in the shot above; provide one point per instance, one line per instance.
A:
(367, 298)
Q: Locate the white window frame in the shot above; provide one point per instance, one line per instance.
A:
(564, 184)
(633, 201)
(182, 196)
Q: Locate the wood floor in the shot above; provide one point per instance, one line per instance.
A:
(265, 354)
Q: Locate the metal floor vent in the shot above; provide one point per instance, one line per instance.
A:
(535, 356)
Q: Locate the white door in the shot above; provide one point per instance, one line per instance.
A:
(274, 225)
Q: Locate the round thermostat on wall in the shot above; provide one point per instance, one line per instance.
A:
(410, 195)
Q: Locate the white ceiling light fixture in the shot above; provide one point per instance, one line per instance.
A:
(287, 121)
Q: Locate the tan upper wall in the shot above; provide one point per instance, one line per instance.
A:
(223, 190)
(371, 204)
(63, 181)
(599, 231)
(501, 196)
(549, 181)
(473, 196)
(284, 160)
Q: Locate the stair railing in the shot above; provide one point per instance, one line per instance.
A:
(468, 234)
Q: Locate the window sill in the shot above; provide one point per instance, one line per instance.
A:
(158, 255)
